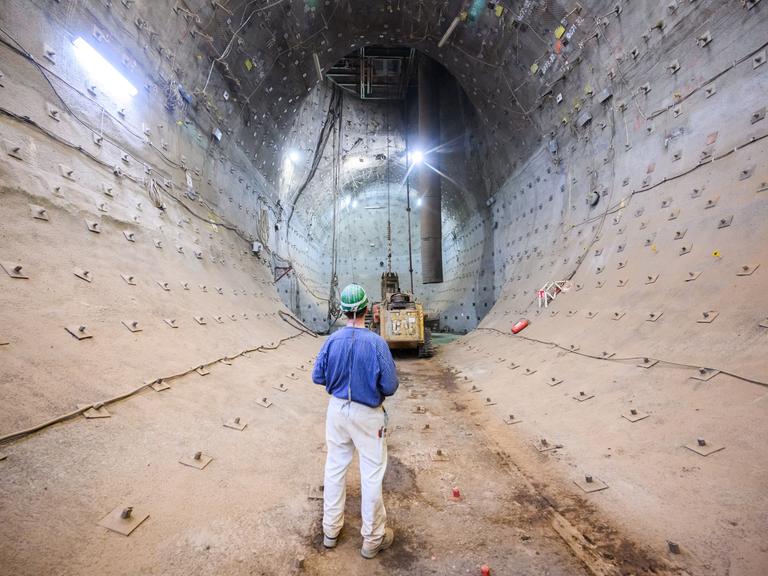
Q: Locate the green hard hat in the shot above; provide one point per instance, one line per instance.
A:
(353, 298)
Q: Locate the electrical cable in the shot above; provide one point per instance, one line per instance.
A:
(37, 427)
(228, 47)
(625, 358)
(47, 73)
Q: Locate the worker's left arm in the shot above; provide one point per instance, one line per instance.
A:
(388, 382)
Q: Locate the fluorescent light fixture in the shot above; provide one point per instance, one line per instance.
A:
(449, 31)
(417, 157)
(101, 71)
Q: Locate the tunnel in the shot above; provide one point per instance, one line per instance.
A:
(573, 196)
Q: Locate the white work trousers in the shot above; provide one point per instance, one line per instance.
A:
(350, 425)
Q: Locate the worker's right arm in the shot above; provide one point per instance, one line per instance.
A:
(388, 382)
(318, 372)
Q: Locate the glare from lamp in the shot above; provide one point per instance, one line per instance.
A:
(294, 156)
(417, 157)
(99, 69)
(418, 202)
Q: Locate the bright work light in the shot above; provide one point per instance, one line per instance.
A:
(102, 72)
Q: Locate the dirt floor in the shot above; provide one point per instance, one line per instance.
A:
(249, 510)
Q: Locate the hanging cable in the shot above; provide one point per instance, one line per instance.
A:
(334, 310)
(389, 204)
(408, 190)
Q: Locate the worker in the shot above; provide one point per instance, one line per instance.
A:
(357, 370)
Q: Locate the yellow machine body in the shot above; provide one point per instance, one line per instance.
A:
(402, 328)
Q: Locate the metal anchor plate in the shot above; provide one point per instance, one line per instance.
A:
(159, 385)
(235, 423)
(647, 363)
(439, 455)
(747, 269)
(264, 402)
(80, 332)
(94, 411)
(132, 325)
(703, 448)
(708, 316)
(634, 415)
(38, 212)
(704, 374)
(83, 274)
(14, 270)
(544, 445)
(123, 522)
(590, 484)
(197, 460)
(315, 492)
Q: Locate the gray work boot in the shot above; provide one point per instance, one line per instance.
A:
(371, 551)
(329, 542)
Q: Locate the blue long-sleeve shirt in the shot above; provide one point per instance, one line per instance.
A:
(360, 358)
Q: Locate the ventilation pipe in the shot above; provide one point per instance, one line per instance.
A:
(429, 179)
